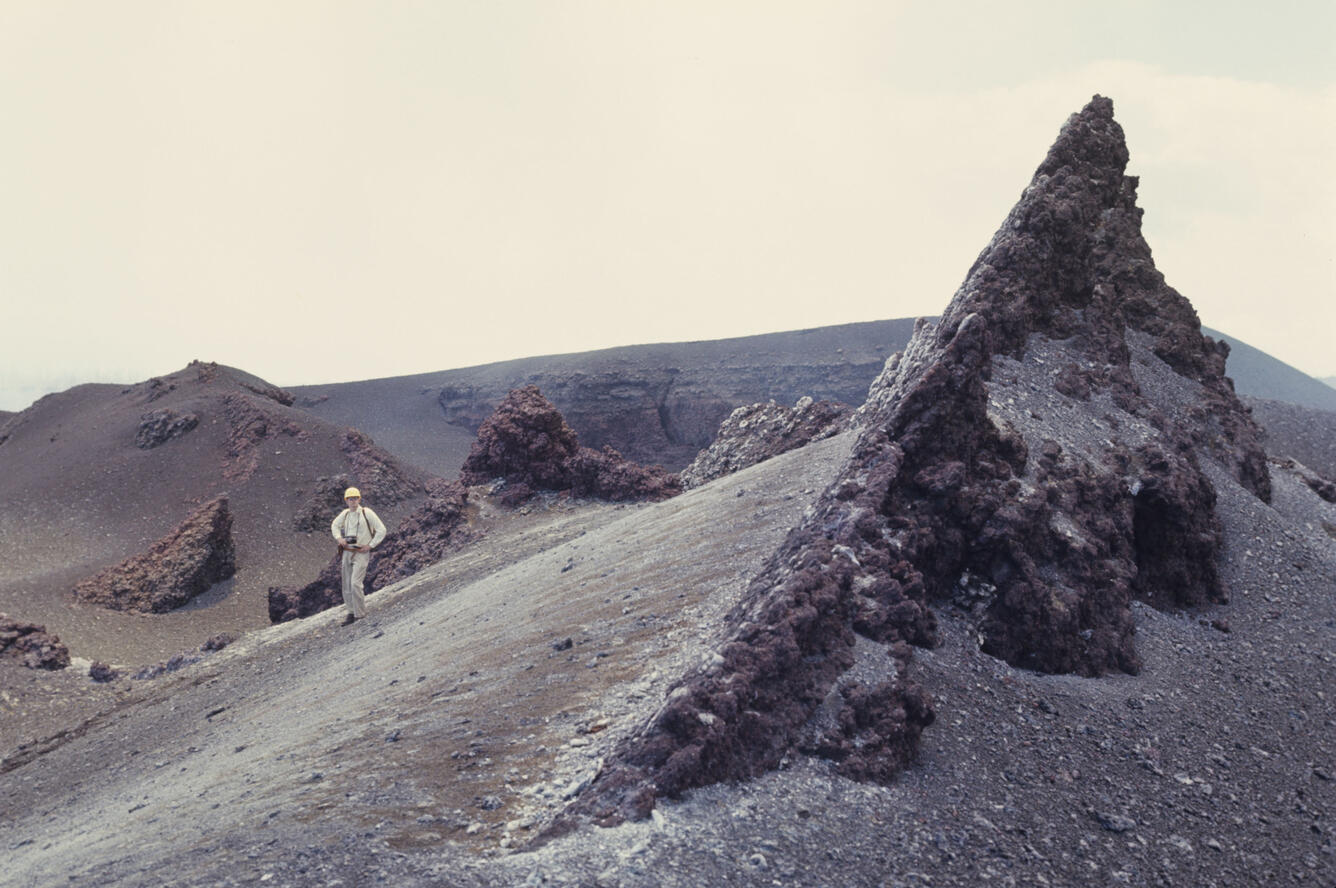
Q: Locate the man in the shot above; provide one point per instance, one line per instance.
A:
(357, 530)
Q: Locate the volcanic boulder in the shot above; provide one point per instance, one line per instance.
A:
(757, 432)
(426, 536)
(1036, 453)
(173, 570)
(528, 445)
(32, 645)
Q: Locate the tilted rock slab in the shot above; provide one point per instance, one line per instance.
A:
(757, 432)
(174, 570)
(1035, 458)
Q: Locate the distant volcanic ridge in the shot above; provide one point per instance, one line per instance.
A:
(431, 532)
(181, 565)
(757, 432)
(527, 444)
(32, 645)
(1032, 461)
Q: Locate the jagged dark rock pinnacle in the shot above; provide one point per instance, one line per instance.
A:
(958, 487)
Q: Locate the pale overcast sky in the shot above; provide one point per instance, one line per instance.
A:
(323, 191)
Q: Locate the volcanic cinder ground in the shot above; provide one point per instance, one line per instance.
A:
(472, 730)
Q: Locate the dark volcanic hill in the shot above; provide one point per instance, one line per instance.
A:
(97, 474)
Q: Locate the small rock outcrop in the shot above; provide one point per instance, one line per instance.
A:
(1037, 454)
(375, 471)
(528, 445)
(250, 422)
(32, 645)
(324, 502)
(173, 570)
(426, 536)
(160, 426)
(757, 432)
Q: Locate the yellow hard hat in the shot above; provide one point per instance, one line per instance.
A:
(352, 491)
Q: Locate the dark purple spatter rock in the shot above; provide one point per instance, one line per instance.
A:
(950, 491)
(218, 642)
(181, 565)
(102, 673)
(431, 532)
(758, 432)
(528, 445)
(524, 441)
(32, 645)
(160, 426)
(172, 664)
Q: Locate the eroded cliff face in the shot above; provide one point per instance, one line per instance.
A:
(1034, 459)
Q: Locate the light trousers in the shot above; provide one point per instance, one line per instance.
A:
(354, 572)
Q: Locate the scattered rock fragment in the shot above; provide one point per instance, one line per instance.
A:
(1117, 823)
(218, 642)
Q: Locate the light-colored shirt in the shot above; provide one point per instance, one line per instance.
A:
(361, 523)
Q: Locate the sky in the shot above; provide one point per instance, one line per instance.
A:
(327, 191)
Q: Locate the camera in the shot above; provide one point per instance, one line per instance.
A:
(350, 541)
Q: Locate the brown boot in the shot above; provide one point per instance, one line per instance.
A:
(349, 620)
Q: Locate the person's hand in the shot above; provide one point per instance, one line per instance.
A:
(364, 548)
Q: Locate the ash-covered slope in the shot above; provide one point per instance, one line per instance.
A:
(1035, 457)
(97, 474)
